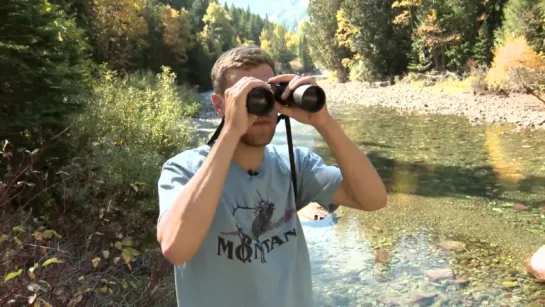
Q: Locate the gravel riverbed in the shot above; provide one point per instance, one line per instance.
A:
(525, 111)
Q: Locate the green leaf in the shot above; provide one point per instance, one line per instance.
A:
(18, 229)
(124, 284)
(127, 241)
(49, 233)
(132, 251)
(51, 261)
(3, 238)
(13, 275)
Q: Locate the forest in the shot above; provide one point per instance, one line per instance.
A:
(93, 93)
(496, 44)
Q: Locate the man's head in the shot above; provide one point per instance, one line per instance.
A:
(230, 67)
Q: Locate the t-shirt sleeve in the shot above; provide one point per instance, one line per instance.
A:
(175, 174)
(317, 181)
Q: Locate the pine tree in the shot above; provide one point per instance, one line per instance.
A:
(44, 68)
(481, 49)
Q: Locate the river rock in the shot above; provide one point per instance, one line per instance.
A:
(536, 265)
(453, 245)
(439, 274)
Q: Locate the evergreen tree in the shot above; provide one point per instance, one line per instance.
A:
(44, 68)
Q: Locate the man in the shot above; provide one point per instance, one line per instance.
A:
(227, 212)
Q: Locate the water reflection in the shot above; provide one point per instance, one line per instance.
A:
(449, 236)
(379, 260)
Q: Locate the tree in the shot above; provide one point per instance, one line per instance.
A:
(44, 68)
(177, 36)
(325, 49)
(119, 31)
(218, 34)
(523, 18)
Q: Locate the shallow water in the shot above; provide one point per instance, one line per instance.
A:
(452, 189)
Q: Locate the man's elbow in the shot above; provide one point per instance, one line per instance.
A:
(171, 251)
(377, 202)
(174, 255)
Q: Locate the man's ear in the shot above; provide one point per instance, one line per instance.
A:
(217, 102)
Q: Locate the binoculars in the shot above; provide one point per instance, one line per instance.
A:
(260, 101)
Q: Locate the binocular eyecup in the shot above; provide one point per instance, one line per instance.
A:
(260, 101)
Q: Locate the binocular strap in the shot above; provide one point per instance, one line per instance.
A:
(290, 148)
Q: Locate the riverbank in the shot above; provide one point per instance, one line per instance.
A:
(523, 111)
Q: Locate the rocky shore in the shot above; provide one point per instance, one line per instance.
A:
(525, 111)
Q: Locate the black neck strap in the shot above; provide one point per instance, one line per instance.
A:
(290, 147)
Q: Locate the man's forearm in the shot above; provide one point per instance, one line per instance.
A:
(183, 227)
(363, 181)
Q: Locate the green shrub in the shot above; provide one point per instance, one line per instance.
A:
(91, 239)
(139, 111)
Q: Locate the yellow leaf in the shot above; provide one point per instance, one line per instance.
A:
(118, 245)
(104, 289)
(38, 236)
(31, 272)
(13, 275)
(124, 284)
(95, 261)
(3, 238)
(126, 255)
(132, 284)
(51, 261)
(81, 278)
(17, 241)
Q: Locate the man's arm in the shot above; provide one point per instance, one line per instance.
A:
(362, 187)
(183, 226)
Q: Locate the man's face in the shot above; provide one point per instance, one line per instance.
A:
(262, 131)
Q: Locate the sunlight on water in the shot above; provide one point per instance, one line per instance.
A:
(449, 236)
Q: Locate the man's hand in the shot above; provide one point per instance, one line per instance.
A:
(317, 119)
(237, 117)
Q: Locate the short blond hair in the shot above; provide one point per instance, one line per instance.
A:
(243, 57)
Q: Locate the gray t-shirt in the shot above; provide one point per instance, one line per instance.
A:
(255, 253)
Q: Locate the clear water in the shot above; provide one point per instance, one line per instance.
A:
(452, 189)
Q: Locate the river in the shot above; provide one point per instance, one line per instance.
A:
(451, 234)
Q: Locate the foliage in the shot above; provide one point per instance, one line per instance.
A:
(44, 67)
(118, 31)
(523, 18)
(140, 111)
(324, 48)
(81, 232)
(516, 67)
(65, 257)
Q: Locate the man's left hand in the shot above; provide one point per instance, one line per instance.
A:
(318, 119)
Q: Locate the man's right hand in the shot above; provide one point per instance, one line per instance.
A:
(237, 118)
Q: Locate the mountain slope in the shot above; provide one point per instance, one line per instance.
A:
(287, 12)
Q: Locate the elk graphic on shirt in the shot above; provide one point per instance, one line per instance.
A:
(263, 211)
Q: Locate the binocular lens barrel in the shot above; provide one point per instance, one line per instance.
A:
(260, 101)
